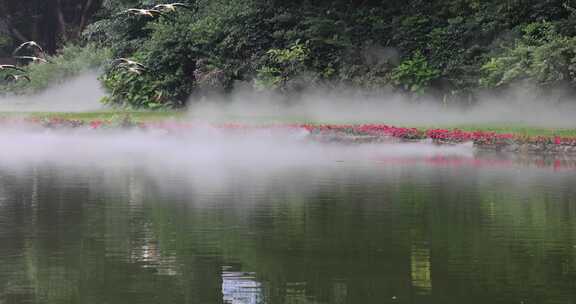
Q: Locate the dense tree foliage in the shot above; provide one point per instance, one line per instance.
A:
(446, 49)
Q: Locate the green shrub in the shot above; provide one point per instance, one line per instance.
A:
(414, 74)
(282, 65)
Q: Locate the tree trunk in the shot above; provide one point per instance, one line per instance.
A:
(61, 21)
(85, 15)
(49, 22)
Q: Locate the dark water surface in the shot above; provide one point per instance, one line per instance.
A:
(393, 230)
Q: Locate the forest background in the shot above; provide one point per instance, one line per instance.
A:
(447, 51)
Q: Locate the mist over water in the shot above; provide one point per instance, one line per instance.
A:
(78, 94)
(201, 147)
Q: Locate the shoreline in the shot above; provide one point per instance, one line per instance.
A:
(482, 140)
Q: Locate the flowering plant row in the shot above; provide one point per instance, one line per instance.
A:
(440, 135)
(334, 132)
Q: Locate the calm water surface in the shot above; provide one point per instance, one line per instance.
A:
(388, 230)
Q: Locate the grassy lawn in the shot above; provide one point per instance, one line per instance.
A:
(142, 116)
(519, 130)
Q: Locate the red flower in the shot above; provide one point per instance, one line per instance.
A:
(557, 140)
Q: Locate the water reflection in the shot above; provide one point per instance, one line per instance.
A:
(423, 231)
(420, 269)
(240, 287)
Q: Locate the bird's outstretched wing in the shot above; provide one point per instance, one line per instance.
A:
(131, 12)
(18, 49)
(12, 77)
(139, 65)
(11, 67)
(118, 61)
(134, 11)
(156, 13)
(131, 65)
(127, 62)
(184, 5)
(132, 69)
(172, 6)
(33, 58)
(160, 7)
(135, 71)
(28, 44)
(36, 45)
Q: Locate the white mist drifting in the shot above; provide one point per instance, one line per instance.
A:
(518, 107)
(78, 94)
(211, 149)
(203, 159)
(197, 148)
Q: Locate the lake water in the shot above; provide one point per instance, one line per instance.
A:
(444, 226)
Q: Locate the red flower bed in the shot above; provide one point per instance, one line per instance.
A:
(376, 132)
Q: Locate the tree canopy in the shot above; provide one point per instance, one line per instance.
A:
(448, 49)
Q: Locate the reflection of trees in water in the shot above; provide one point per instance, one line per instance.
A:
(87, 246)
(420, 268)
(418, 235)
(413, 236)
(304, 245)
